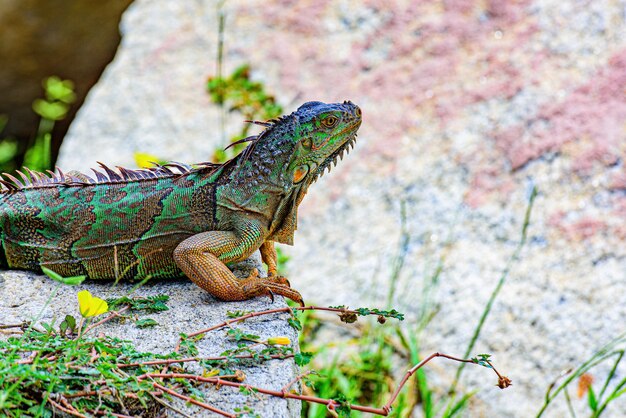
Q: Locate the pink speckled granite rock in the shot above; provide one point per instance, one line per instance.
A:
(465, 104)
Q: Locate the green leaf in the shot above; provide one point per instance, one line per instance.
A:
(71, 321)
(74, 280)
(146, 322)
(150, 304)
(61, 90)
(238, 335)
(47, 327)
(591, 399)
(187, 345)
(246, 390)
(39, 410)
(8, 149)
(237, 314)
(343, 410)
(482, 360)
(295, 323)
(68, 324)
(50, 110)
(303, 358)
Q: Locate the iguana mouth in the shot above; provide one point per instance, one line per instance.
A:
(337, 154)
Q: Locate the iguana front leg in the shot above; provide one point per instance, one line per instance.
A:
(202, 256)
(269, 257)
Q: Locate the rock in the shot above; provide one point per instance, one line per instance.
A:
(465, 107)
(23, 295)
(152, 98)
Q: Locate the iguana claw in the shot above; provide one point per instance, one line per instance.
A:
(282, 280)
(270, 286)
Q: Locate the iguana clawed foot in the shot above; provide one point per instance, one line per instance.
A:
(253, 286)
(195, 259)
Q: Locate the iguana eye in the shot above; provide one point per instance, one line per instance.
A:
(330, 121)
(306, 143)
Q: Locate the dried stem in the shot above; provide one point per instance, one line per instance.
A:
(12, 326)
(112, 413)
(330, 403)
(193, 401)
(295, 379)
(189, 359)
(112, 314)
(68, 411)
(412, 371)
(270, 311)
(167, 405)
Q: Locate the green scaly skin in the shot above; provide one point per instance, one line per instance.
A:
(172, 220)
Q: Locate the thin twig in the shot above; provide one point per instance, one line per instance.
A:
(13, 326)
(64, 409)
(193, 401)
(102, 391)
(113, 413)
(112, 314)
(330, 403)
(296, 379)
(412, 371)
(190, 359)
(271, 311)
(6, 332)
(169, 406)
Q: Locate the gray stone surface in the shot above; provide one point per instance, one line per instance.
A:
(465, 105)
(23, 294)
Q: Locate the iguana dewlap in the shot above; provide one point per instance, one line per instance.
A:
(174, 219)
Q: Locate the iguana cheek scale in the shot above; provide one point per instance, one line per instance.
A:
(174, 219)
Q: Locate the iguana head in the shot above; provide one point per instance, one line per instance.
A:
(324, 132)
(295, 149)
(273, 174)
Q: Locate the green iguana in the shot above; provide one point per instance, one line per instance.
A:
(172, 219)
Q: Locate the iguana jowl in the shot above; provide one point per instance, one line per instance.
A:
(173, 219)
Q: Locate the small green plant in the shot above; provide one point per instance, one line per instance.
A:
(363, 367)
(9, 148)
(359, 370)
(239, 93)
(610, 390)
(59, 95)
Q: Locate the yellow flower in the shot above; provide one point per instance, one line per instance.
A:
(210, 373)
(90, 305)
(145, 160)
(279, 341)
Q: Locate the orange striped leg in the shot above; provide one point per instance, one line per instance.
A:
(202, 256)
